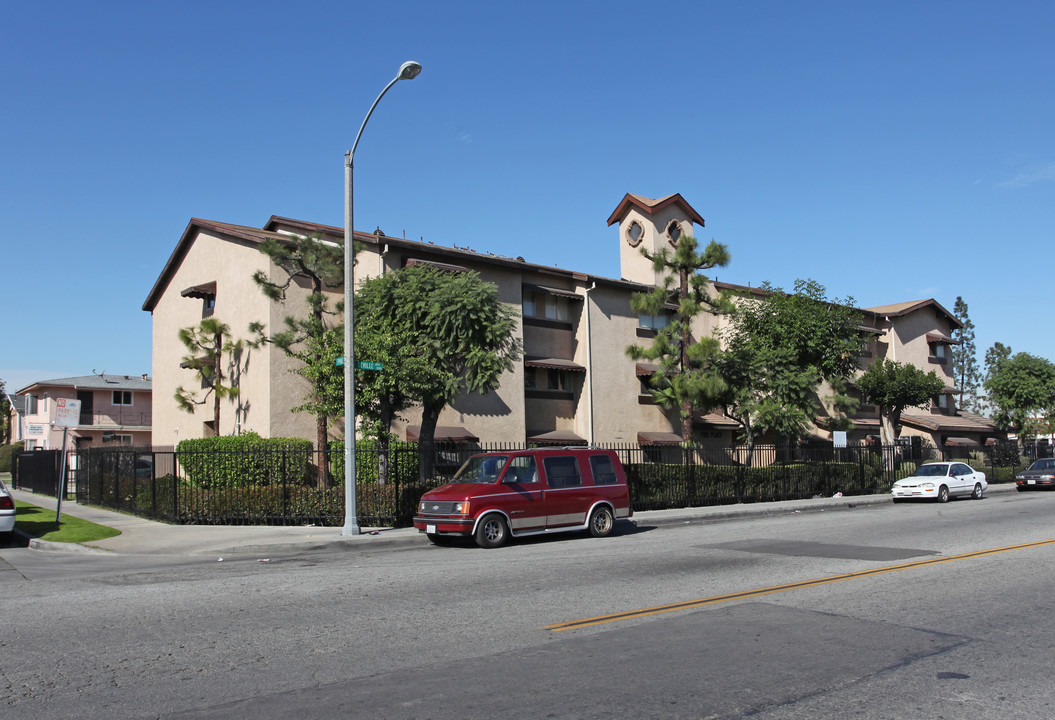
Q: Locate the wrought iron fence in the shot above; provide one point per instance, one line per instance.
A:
(281, 486)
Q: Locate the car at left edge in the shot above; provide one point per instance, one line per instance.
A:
(7, 512)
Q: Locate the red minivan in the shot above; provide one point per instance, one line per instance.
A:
(496, 495)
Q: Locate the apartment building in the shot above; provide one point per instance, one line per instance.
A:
(114, 410)
(575, 384)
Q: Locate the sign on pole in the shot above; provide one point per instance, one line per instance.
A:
(67, 412)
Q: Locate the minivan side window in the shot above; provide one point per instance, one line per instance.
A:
(522, 470)
(603, 472)
(562, 472)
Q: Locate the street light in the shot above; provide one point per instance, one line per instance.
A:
(407, 71)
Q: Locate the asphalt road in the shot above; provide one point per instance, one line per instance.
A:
(906, 611)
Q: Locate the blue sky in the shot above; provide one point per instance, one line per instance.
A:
(890, 150)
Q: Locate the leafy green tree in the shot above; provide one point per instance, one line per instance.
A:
(207, 345)
(1020, 386)
(319, 264)
(893, 387)
(687, 377)
(965, 359)
(462, 338)
(780, 347)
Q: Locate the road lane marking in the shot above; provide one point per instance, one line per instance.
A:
(643, 612)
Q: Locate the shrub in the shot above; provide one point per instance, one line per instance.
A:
(401, 464)
(7, 452)
(247, 459)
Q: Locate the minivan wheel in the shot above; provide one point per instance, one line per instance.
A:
(492, 532)
(601, 522)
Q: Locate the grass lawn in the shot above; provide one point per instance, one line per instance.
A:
(40, 523)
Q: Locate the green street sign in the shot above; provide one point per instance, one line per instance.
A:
(361, 365)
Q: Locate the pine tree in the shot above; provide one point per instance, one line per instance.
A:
(208, 344)
(321, 265)
(687, 378)
(965, 360)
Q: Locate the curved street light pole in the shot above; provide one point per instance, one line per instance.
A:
(407, 71)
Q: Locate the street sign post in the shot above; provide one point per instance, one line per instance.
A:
(67, 415)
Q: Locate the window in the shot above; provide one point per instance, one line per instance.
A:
(522, 470)
(942, 401)
(562, 472)
(122, 397)
(530, 381)
(674, 232)
(603, 472)
(634, 233)
(31, 404)
(557, 380)
(938, 353)
(653, 322)
(546, 306)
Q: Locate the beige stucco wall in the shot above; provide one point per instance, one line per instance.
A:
(266, 390)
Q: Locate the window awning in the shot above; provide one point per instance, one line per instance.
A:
(444, 433)
(198, 362)
(645, 369)
(201, 292)
(939, 338)
(869, 329)
(554, 364)
(715, 420)
(658, 438)
(557, 437)
(411, 262)
(951, 391)
(961, 442)
(559, 292)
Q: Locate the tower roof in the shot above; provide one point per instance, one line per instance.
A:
(651, 207)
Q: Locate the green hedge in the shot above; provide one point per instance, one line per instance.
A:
(402, 466)
(244, 460)
(655, 486)
(7, 452)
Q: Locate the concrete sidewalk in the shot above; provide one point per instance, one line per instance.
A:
(148, 537)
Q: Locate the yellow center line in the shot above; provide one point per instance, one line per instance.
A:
(587, 622)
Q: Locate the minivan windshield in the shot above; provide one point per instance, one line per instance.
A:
(481, 469)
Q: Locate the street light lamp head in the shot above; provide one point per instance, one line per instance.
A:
(409, 70)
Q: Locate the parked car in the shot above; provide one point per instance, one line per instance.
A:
(940, 481)
(7, 513)
(1038, 475)
(498, 495)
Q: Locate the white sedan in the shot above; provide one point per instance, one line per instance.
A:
(7, 513)
(940, 481)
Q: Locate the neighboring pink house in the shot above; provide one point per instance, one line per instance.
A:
(115, 410)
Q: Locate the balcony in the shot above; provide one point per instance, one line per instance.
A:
(116, 419)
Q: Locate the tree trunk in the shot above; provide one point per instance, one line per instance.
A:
(321, 438)
(430, 416)
(217, 380)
